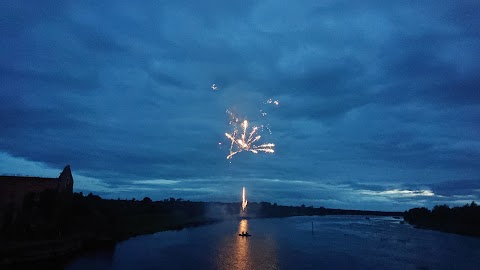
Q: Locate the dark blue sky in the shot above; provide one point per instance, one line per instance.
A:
(379, 100)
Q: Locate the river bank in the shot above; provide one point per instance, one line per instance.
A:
(53, 253)
(464, 220)
(335, 242)
(45, 236)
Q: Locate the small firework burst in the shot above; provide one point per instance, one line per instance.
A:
(241, 142)
(270, 101)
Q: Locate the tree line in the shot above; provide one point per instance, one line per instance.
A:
(461, 219)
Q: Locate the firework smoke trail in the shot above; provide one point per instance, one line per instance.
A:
(244, 200)
(240, 142)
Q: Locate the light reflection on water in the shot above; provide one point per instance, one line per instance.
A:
(245, 252)
(242, 244)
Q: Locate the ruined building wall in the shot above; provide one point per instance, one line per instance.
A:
(13, 190)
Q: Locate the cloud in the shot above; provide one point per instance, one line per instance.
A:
(457, 188)
(373, 97)
(156, 182)
(401, 193)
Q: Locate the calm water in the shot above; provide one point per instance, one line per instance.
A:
(337, 242)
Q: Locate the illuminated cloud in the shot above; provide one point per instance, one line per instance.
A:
(400, 193)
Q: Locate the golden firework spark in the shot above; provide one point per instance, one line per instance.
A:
(240, 142)
(244, 199)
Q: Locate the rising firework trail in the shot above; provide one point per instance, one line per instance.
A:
(240, 141)
(244, 200)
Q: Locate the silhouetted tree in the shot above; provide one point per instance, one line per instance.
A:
(462, 220)
(92, 197)
(441, 211)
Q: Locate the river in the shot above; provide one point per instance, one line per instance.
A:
(316, 242)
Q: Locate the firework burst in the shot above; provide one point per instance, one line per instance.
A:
(240, 141)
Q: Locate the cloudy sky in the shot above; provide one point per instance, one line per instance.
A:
(379, 101)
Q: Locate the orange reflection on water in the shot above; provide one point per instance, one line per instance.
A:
(243, 226)
(247, 253)
(240, 252)
(242, 246)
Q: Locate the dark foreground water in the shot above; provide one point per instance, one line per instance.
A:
(336, 242)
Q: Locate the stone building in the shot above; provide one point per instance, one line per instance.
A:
(14, 189)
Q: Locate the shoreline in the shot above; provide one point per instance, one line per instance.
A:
(461, 220)
(56, 253)
(46, 234)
